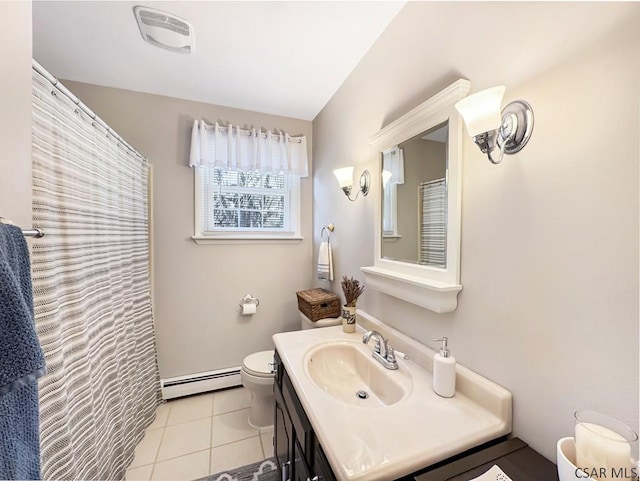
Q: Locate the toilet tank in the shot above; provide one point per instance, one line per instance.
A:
(306, 323)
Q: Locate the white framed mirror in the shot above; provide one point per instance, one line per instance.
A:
(418, 213)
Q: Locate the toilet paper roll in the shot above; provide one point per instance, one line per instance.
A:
(248, 309)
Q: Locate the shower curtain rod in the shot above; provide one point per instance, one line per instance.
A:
(35, 232)
(67, 93)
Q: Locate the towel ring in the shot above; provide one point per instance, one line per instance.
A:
(327, 228)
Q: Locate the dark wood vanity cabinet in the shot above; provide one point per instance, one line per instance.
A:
(282, 435)
(297, 450)
(513, 456)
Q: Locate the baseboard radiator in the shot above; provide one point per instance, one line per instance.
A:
(201, 382)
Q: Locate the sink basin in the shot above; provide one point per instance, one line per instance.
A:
(347, 372)
(367, 439)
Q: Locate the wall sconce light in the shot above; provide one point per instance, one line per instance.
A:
(345, 179)
(507, 131)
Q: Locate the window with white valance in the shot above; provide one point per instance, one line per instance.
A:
(247, 183)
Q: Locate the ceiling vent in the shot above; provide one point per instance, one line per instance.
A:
(164, 30)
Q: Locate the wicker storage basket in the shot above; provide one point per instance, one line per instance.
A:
(318, 303)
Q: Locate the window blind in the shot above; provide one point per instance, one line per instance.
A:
(245, 202)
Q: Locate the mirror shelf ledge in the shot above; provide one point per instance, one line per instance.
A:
(437, 296)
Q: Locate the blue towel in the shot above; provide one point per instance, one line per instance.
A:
(21, 361)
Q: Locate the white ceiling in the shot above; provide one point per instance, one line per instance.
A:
(282, 58)
(289, 57)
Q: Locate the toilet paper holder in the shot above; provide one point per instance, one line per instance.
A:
(249, 299)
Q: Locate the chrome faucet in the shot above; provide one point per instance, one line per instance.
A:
(382, 353)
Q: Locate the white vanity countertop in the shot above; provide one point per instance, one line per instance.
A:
(384, 443)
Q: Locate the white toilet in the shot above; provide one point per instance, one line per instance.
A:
(257, 376)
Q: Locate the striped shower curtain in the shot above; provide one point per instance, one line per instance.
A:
(433, 223)
(91, 291)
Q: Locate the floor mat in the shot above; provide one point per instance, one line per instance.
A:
(266, 470)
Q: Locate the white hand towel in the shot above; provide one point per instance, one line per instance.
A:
(325, 262)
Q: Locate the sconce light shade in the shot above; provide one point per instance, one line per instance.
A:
(344, 176)
(506, 131)
(481, 111)
(345, 180)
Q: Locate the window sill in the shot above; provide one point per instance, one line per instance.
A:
(240, 239)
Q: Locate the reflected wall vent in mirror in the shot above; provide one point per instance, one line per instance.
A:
(506, 132)
(417, 232)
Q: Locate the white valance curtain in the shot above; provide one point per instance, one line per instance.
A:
(230, 147)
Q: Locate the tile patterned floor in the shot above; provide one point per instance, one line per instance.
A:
(200, 435)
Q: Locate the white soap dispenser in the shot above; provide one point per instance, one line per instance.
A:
(444, 371)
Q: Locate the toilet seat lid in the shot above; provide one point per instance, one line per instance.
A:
(257, 364)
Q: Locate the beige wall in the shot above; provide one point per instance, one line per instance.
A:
(549, 307)
(198, 287)
(15, 113)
